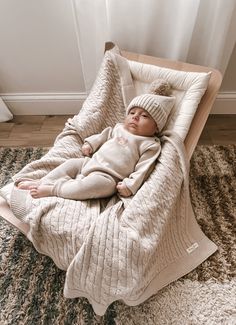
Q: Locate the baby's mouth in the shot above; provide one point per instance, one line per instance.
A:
(133, 124)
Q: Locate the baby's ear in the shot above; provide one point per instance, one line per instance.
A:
(160, 87)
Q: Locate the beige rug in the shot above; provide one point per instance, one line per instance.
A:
(31, 287)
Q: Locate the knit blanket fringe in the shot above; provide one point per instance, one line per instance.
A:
(115, 248)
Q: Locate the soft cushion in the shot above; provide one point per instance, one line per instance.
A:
(188, 88)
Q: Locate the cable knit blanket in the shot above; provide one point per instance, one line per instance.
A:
(115, 248)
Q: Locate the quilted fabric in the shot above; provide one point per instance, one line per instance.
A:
(188, 88)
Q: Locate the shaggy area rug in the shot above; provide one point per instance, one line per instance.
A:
(31, 286)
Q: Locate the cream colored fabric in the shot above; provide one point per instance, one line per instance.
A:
(159, 107)
(68, 182)
(118, 155)
(187, 88)
(115, 249)
(126, 156)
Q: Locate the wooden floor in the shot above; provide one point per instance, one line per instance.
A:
(41, 131)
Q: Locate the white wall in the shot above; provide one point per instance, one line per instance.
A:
(39, 58)
(40, 69)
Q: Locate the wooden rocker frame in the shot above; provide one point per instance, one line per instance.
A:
(196, 127)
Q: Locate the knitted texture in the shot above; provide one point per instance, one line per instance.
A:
(159, 107)
(115, 248)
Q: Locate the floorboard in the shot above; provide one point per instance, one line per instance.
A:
(41, 131)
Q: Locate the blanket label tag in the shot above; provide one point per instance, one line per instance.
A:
(192, 248)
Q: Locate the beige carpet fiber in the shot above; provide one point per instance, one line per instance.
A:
(31, 287)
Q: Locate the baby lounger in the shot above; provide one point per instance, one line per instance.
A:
(123, 248)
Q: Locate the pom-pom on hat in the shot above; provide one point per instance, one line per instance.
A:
(159, 107)
(160, 87)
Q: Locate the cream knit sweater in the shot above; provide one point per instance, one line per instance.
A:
(123, 155)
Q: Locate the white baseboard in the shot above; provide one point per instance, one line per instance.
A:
(225, 103)
(44, 103)
(71, 103)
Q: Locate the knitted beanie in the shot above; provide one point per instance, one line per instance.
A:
(159, 107)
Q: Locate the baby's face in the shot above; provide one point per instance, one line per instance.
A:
(139, 122)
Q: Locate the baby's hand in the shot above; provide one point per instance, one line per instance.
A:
(123, 190)
(86, 149)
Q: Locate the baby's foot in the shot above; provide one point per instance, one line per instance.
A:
(26, 184)
(41, 190)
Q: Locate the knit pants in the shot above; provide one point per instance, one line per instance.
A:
(69, 183)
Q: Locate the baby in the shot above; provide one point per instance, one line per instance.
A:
(118, 159)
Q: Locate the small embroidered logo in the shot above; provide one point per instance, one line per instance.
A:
(192, 248)
(122, 141)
